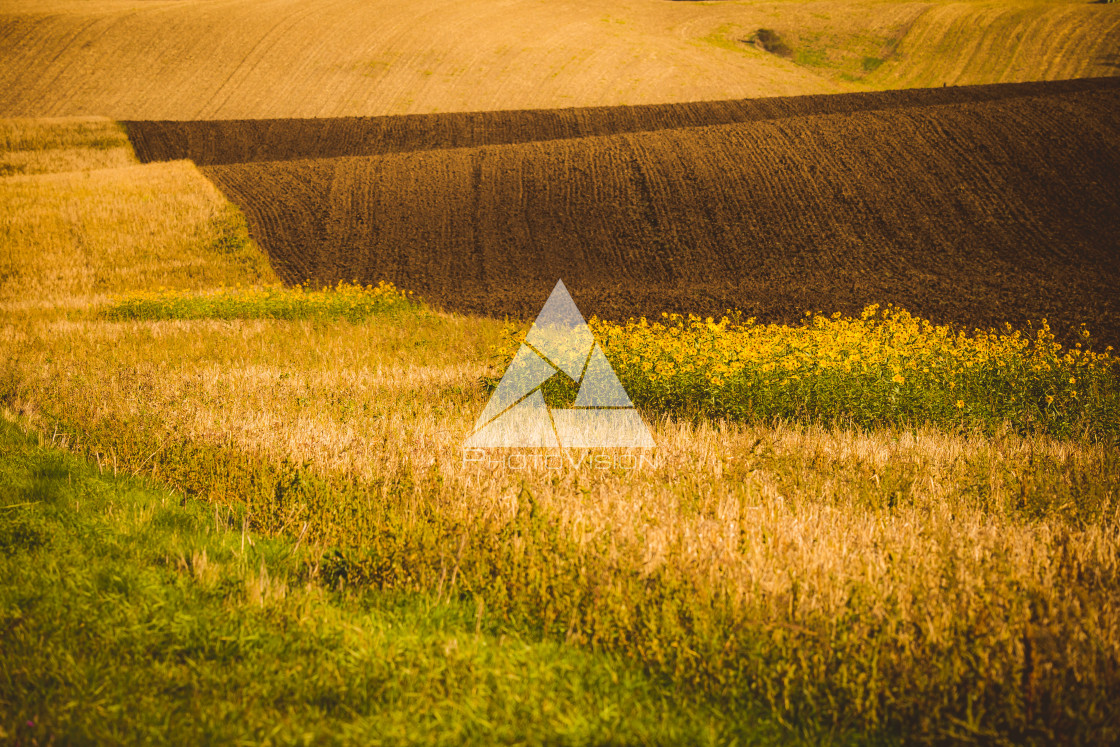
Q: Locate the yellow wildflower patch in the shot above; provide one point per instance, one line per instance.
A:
(885, 366)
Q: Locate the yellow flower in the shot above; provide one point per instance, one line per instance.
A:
(1049, 399)
(960, 403)
(898, 379)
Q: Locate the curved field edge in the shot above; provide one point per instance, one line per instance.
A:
(976, 214)
(212, 142)
(128, 612)
(996, 42)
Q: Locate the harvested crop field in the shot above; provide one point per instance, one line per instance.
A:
(212, 142)
(977, 213)
(187, 59)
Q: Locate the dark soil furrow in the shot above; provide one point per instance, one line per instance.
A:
(978, 213)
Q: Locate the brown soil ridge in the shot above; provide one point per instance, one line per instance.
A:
(213, 142)
(974, 213)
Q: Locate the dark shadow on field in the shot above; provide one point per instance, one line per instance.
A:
(214, 142)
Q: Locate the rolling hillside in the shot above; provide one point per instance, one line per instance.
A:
(1005, 42)
(978, 213)
(855, 528)
(225, 59)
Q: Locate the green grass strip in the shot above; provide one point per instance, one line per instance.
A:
(131, 614)
(354, 303)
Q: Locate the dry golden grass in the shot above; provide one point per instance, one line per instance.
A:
(67, 238)
(287, 58)
(947, 542)
(282, 58)
(1005, 42)
(41, 146)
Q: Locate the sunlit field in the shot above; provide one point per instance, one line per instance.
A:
(855, 529)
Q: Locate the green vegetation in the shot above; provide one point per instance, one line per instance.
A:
(885, 368)
(871, 64)
(354, 303)
(905, 611)
(130, 613)
(728, 36)
(772, 42)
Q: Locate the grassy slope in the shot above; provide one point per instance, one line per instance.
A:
(43, 146)
(333, 57)
(254, 58)
(130, 613)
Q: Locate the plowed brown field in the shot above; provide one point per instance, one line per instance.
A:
(209, 142)
(975, 213)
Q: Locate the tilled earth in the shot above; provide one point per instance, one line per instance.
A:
(975, 206)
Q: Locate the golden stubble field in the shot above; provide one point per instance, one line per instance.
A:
(281, 58)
